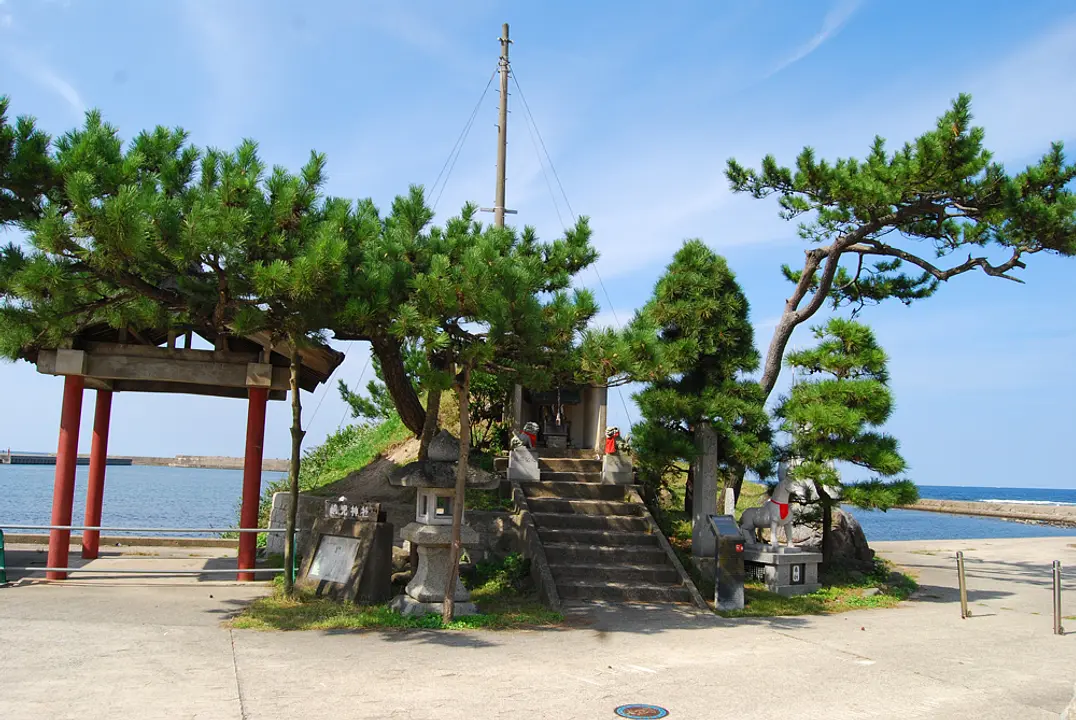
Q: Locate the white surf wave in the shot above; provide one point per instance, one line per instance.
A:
(1026, 502)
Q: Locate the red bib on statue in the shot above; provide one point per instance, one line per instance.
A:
(610, 446)
(783, 507)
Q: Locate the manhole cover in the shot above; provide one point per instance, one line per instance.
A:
(641, 711)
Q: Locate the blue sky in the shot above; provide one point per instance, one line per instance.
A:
(639, 105)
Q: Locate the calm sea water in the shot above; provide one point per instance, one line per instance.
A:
(180, 497)
(135, 496)
(914, 525)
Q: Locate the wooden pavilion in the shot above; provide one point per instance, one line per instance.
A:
(107, 360)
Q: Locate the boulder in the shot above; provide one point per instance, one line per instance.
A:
(444, 447)
(401, 559)
(440, 475)
(850, 548)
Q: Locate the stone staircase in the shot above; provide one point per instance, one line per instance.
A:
(599, 540)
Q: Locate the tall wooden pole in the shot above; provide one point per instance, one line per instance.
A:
(63, 492)
(95, 486)
(502, 131)
(252, 480)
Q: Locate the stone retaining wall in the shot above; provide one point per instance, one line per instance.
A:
(1054, 514)
(208, 462)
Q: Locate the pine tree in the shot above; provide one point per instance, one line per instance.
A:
(487, 299)
(26, 174)
(939, 197)
(833, 414)
(694, 342)
(105, 242)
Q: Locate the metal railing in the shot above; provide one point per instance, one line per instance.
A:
(4, 567)
(199, 531)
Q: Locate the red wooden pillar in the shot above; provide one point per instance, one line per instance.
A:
(252, 479)
(63, 491)
(95, 490)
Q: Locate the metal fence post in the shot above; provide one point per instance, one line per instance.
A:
(1058, 628)
(3, 559)
(964, 612)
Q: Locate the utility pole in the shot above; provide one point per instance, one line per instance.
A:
(502, 131)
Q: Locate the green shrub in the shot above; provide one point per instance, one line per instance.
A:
(510, 574)
(348, 449)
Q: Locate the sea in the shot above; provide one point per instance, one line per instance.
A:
(135, 496)
(166, 497)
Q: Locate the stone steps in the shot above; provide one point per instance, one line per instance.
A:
(577, 477)
(575, 506)
(595, 537)
(660, 574)
(569, 465)
(573, 521)
(623, 592)
(581, 553)
(599, 544)
(572, 490)
(567, 453)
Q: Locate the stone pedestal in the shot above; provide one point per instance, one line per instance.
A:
(426, 591)
(790, 571)
(617, 469)
(523, 465)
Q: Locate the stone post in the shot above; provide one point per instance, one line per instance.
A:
(703, 542)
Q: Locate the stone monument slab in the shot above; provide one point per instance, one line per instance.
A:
(349, 560)
(523, 465)
(617, 469)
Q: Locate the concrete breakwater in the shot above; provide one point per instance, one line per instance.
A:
(209, 462)
(1053, 514)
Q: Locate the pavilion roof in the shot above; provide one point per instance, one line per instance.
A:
(149, 360)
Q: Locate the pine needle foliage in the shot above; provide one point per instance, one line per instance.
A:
(833, 415)
(898, 224)
(694, 342)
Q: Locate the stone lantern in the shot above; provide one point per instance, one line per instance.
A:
(431, 532)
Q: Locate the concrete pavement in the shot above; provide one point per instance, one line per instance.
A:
(132, 649)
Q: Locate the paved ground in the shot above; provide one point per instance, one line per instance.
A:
(134, 649)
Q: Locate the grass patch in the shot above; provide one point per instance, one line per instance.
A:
(487, 500)
(502, 593)
(343, 452)
(840, 593)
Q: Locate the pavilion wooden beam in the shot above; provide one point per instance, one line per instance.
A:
(158, 368)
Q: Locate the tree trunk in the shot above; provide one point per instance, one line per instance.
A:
(429, 428)
(827, 524)
(399, 385)
(297, 434)
(464, 388)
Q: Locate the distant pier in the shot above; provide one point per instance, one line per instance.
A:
(208, 462)
(25, 458)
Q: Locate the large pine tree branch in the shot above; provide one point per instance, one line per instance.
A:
(873, 247)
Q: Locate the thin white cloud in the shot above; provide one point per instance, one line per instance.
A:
(43, 74)
(835, 20)
(61, 87)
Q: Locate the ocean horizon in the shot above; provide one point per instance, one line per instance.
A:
(168, 497)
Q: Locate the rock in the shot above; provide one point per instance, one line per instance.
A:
(850, 547)
(856, 576)
(401, 578)
(444, 447)
(440, 475)
(401, 559)
(871, 592)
